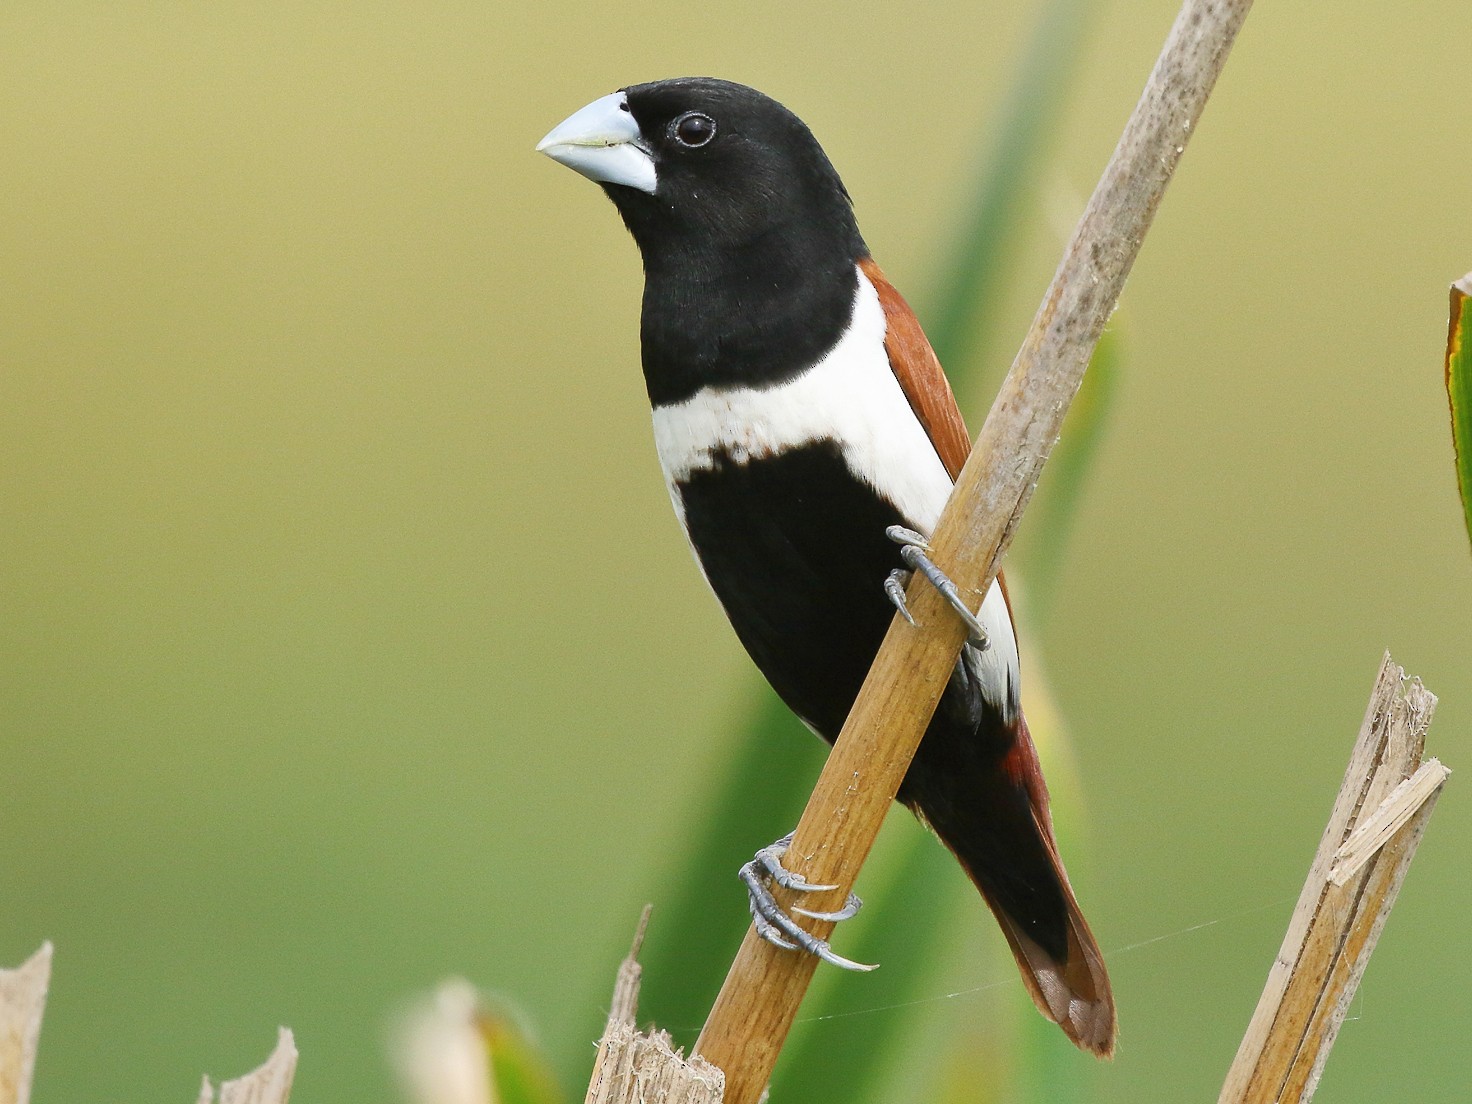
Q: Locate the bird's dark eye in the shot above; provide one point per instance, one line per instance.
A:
(693, 129)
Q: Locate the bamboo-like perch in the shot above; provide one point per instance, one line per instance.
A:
(1373, 832)
(756, 1006)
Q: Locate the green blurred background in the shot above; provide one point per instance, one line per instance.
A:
(348, 639)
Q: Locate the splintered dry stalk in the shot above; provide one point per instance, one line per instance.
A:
(22, 1003)
(637, 1068)
(1373, 832)
(23, 1000)
(270, 1084)
(756, 1006)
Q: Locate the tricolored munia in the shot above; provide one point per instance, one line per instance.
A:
(809, 440)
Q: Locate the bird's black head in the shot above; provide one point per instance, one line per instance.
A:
(733, 167)
(704, 164)
(747, 234)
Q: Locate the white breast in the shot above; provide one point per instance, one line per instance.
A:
(850, 397)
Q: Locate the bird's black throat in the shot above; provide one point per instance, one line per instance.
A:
(751, 317)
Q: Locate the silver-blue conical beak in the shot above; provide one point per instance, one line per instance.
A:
(603, 142)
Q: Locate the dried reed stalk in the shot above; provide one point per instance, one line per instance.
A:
(22, 1003)
(1372, 835)
(634, 1067)
(270, 1084)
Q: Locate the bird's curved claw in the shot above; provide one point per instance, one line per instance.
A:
(848, 912)
(776, 926)
(913, 549)
(894, 589)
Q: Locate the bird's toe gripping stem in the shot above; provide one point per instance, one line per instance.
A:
(775, 925)
(913, 549)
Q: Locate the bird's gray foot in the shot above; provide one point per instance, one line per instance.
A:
(913, 549)
(773, 924)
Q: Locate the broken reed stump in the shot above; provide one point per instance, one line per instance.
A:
(637, 1068)
(23, 1002)
(1373, 832)
(270, 1084)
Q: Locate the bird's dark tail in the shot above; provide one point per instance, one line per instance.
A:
(999, 827)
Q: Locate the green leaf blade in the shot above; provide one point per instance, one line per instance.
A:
(1061, 491)
(840, 1049)
(1459, 389)
(968, 291)
(520, 1072)
(699, 912)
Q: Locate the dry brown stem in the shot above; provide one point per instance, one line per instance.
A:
(1372, 835)
(757, 1004)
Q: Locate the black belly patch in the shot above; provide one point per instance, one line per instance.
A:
(795, 550)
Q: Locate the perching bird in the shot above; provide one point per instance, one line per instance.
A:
(800, 416)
